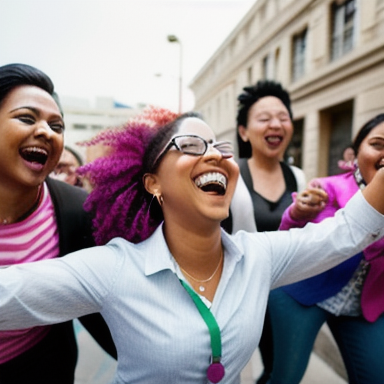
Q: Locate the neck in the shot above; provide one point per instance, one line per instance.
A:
(195, 251)
(262, 162)
(15, 205)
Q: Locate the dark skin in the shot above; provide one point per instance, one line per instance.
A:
(30, 121)
(370, 157)
(191, 216)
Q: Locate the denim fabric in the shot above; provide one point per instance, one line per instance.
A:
(295, 328)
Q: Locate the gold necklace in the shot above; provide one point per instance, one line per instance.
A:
(201, 287)
(29, 212)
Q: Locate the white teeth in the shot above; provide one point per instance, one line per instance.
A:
(36, 149)
(211, 177)
(273, 139)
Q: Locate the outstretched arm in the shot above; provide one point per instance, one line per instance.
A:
(56, 290)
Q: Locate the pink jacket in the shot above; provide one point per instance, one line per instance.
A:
(340, 189)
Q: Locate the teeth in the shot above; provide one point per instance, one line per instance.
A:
(34, 155)
(36, 150)
(273, 139)
(211, 177)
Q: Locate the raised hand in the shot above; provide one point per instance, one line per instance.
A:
(309, 202)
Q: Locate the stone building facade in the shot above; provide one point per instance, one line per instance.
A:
(329, 54)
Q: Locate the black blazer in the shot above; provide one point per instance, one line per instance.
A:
(75, 233)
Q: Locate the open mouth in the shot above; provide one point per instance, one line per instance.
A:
(212, 182)
(274, 140)
(34, 155)
(380, 164)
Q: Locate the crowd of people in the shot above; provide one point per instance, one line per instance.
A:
(182, 261)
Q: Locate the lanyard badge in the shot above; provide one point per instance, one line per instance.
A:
(215, 371)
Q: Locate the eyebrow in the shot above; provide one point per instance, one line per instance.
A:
(26, 107)
(35, 110)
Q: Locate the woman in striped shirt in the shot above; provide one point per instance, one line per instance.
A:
(39, 219)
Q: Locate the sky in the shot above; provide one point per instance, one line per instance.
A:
(118, 48)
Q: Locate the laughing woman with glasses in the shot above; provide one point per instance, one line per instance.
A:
(184, 300)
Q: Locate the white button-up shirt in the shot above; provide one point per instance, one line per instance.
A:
(159, 333)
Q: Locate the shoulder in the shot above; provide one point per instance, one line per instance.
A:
(62, 193)
(300, 177)
(242, 163)
(74, 223)
(344, 181)
(340, 187)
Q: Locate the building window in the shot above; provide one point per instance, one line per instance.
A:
(298, 57)
(79, 126)
(266, 67)
(249, 75)
(276, 67)
(343, 24)
(293, 155)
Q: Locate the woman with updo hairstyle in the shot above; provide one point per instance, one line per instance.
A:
(264, 131)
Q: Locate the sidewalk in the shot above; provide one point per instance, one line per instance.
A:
(95, 367)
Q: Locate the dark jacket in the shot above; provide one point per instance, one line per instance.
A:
(75, 232)
(53, 359)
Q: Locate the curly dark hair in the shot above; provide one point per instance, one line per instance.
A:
(119, 201)
(249, 97)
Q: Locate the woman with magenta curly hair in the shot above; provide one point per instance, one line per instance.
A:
(119, 200)
(184, 300)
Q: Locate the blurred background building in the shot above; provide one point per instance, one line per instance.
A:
(84, 120)
(329, 54)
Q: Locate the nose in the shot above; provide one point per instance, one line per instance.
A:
(213, 153)
(275, 122)
(43, 129)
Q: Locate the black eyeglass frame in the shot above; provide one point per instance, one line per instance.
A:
(172, 142)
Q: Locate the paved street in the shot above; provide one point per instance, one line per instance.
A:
(95, 367)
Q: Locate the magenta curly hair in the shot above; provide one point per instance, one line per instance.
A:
(119, 202)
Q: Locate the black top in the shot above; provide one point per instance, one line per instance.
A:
(268, 213)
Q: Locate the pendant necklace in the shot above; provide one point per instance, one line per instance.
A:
(201, 282)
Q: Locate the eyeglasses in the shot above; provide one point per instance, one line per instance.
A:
(195, 146)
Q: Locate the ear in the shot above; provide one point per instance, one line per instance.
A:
(151, 184)
(243, 133)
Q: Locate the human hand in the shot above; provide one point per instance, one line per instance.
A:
(309, 203)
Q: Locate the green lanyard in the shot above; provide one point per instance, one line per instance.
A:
(216, 370)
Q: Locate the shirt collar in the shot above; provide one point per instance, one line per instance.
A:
(158, 256)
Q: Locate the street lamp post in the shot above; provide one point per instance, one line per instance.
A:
(174, 39)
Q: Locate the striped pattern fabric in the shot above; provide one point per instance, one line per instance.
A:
(35, 238)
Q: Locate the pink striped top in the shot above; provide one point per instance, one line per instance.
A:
(35, 238)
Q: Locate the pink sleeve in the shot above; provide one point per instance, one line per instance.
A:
(332, 206)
